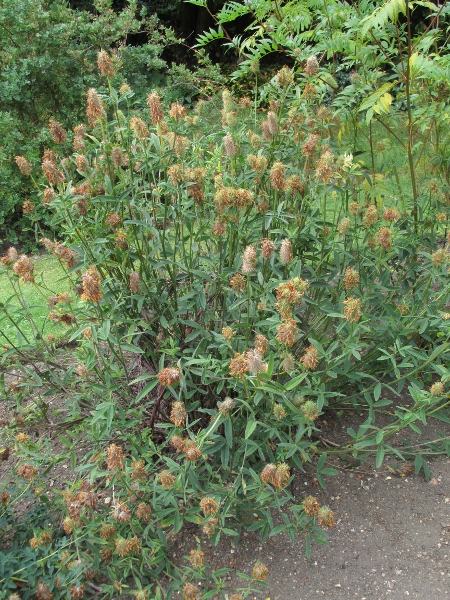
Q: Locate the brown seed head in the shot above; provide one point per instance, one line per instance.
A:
(277, 176)
(24, 268)
(312, 66)
(77, 592)
(57, 131)
(239, 365)
(310, 145)
(113, 219)
(169, 376)
(228, 333)
(287, 332)
(94, 107)
(91, 286)
(249, 259)
(138, 471)
(24, 165)
(139, 127)
(177, 111)
(154, 102)
(391, 214)
(43, 591)
(352, 310)
(135, 286)
(118, 158)
(226, 406)
(383, 237)
(121, 239)
(371, 216)
(344, 226)
(105, 64)
(27, 207)
(254, 361)
(272, 123)
(284, 77)
(311, 506)
(237, 283)
(178, 414)
(261, 344)
(166, 479)
(351, 279)
(286, 255)
(267, 248)
(114, 457)
(10, 256)
(108, 531)
(144, 511)
(209, 505)
(326, 517)
(191, 451)
(196, 558)
(190, 592)
(230, 147)
(257, 163)
(260, 571)
(310, 359)
(52, 173)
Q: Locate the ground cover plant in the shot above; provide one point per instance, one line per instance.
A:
(234, 280)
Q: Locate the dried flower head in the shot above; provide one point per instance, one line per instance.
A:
(27, 207)
(439, 257)
(154, 103)
(52, 173)
(277, 173)
(91, 286)
(209, 505)
(351, 279)
(383, 237)
(312, 66)
(310, 410)
(178, 414)
(287, 332)
(113, 219)
(257, 163)
(24, 268)
(94, 107)
(310, 145)
(139, 127)
(125, 88)
(191, 451)
(326, 517)
(311, 506)
(169, 376)
(24, 165)
(138, 471)
(249, 259)
(114, 457)
(226, 406)
(196, 558)
(28, 472)
(288, 364)
(268, 474)
(105, 64)
(228, 333)
(260, 572)
(286, 255)
(58, 133)
(279, 411)
(310, 359)
(391, 214)
(324, 169)
(291, 292)
(190, 592)
(23, 438)
(267, 248)
(121, 239)
(135, 286)
(177, 111)
(255, 362)
(230, 146)
(237, 283)
(120, 512)
(77, 592)
(284, 77)
(354, 208)
(144, 511)
(437, 389)
(344, 226)
(272, 123)
(261, 344)
(108, 531)
(371, 216)
(209, 527)
(10, 256)
(239, 365)
(118, 158)
(352, 310)
(43, 591)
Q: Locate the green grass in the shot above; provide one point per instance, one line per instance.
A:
(50, 280)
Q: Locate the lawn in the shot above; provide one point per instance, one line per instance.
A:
(21, 320)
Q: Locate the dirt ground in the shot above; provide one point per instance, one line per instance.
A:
(392, 540)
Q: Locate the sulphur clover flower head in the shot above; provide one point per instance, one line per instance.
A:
(209, 505)
(437, 389)
(311, 506)
(310, 410)
(325, 517)
(178, 414)
(169, 376)
(260, 572)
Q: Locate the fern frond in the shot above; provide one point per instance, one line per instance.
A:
(384, 14)
(209, 36)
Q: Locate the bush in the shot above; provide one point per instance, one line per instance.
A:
(238, 278)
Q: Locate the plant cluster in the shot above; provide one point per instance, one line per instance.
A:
(234, 277)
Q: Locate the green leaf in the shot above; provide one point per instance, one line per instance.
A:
(251, 426)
